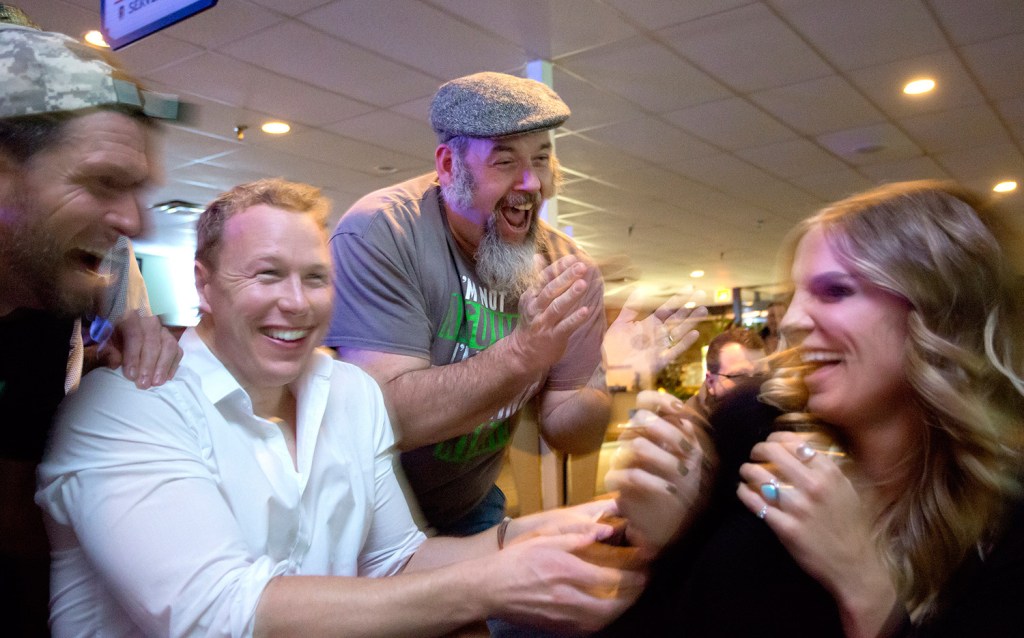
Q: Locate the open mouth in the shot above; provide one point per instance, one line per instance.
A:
(517, 211)
(87, 260)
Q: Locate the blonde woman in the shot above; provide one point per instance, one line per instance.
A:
(906, 336)
(880, 465)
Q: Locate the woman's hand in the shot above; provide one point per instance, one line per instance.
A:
(797, 486)
(657, 471)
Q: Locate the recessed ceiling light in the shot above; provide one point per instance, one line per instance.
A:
(919, 86)
(95, 38)
(1005, 187)
(276, 128)
(696, 274)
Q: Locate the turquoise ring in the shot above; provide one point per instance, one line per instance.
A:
(771, 491)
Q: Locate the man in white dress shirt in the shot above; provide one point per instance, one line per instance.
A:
(256, 491)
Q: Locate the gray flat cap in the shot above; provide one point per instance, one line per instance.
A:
(493, 105)
(46, 72)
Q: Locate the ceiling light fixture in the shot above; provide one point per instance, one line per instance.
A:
(95, 38)
(697, 274)
(276, 128)
(1005, 187)
(919, 86)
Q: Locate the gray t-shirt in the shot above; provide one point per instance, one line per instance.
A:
(403, 286)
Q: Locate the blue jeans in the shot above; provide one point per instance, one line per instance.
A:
(485, 515)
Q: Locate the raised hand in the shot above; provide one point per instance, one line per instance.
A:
(551, 311)
(650, 343)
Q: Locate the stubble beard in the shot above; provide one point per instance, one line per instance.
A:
(502, 266)
(34, 264)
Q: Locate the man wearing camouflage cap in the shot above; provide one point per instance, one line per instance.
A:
(438, 296)
(74, 156)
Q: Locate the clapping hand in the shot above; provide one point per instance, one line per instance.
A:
(651, 343)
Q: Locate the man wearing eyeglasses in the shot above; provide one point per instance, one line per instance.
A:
(733, 355)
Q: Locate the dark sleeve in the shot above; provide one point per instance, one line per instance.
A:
(985, 596)
(377, 304)
(730, 576)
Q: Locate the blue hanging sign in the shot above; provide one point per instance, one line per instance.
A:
(126, 21)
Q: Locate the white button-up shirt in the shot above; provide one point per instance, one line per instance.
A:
(171, 508)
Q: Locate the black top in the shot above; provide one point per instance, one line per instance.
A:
(34, 347)
(730, 576)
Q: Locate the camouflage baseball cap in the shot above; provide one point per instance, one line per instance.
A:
(47, 72)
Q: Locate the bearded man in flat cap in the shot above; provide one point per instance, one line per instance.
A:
(464, 305)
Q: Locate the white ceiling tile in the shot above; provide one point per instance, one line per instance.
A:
(883, 85)
(396, 30)
(591, 106)
(954, 129)
(731, 124)
(545, 29)
(646, 73)
(998, 65)
(291, 7)
(652, 140)
(181, 147)
(969, 22)
(748, 49)
(988, 163)
(1012, 111)
(792, 158)
(224, 22)
(391, 131)
(230, 81)
(317, 58)
(657, 14)
(595, 159)
(819, 105)
(834, 185)
(60, 15)
(853, 35)
(870, 144)
(910, 169)
(153, 52)
(343, 151)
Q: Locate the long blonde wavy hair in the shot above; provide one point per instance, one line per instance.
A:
(939, 249)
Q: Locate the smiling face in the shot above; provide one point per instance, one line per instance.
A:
(64, 208)
(853, 334)
(267, 299)
(509, 180)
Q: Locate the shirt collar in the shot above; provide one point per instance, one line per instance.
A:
(218, 383)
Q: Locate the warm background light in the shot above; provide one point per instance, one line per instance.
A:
(916, 87)
(697, 274)
(95, 38)
(1005, 187)
(275, 128)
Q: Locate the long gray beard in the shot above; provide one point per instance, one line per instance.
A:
(501, 266)
(504, 267)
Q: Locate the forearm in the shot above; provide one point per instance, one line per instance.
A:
(436, 403)
(431, 603)
(868, 604)
(575, 421)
